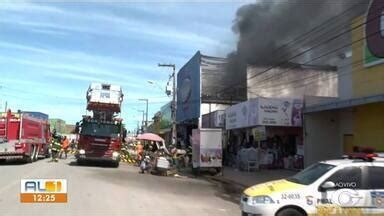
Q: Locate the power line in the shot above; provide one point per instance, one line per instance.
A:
(315, 79)
(299, 54)
(314, 59)
(319, 28)
(319, 57)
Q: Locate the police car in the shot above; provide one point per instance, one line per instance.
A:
(350, 186)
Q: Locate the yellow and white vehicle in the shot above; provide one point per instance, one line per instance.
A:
(351, 186)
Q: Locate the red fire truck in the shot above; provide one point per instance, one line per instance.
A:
(101, 135)
(24, 136)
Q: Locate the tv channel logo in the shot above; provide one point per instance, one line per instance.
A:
(43, 191)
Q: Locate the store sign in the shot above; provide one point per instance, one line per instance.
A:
(280, 112)
(237, 116)
(265, 111)
(214, 119)
(259, 133)
(374, 34)
(219, 118)
(188, 90)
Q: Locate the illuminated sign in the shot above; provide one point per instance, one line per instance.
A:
(43, 191)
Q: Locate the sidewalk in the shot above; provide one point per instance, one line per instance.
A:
(247, 179)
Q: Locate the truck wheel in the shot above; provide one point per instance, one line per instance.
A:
(36, 153)
(290, 212)
(30, 158)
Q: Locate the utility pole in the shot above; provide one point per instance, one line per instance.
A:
(142, 122)
(146, 112)
(138, 128)
(173, 105)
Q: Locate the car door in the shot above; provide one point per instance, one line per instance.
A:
(347, 196)
(375, 185)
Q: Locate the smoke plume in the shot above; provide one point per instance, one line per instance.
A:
(264, 27)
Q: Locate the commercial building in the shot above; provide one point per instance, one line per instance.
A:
(200, 84)
(292, 80)
(163, 122)
(355, 119)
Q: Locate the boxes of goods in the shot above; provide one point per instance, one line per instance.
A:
(104, 97)
(162, 163)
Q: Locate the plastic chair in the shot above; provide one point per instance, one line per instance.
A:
(252, 159)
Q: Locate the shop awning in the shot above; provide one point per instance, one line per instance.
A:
(341, 104)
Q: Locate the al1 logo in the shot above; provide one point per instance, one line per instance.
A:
(43, 191)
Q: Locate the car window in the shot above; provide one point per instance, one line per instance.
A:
(347, 178)
(311, 174)
(375, 178)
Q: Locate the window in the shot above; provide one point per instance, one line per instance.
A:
(375, 179)
(103, 130)
(311, 174)
(347, 178)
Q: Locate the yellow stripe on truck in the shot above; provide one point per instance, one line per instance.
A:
(271, 187)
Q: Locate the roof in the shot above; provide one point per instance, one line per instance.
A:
(341, 104)
(339, 162)
(293, 65)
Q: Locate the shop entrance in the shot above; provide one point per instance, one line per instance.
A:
(348, 143)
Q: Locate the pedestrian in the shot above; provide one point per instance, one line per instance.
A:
(139, 150)
(73, 145)
(64, 147)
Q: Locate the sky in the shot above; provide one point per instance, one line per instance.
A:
(51, 52)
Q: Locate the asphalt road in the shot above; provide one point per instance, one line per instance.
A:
(97, 190)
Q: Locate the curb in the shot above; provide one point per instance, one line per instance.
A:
(226, 181)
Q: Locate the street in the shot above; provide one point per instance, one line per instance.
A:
(97, 190)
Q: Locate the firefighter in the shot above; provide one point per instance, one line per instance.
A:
(55, 146)
(64, 147)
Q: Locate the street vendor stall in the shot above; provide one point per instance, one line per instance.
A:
(161, 160)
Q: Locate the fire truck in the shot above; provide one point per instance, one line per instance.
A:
(101, 135)
(24, 136)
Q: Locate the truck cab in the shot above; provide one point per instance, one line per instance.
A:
(100, 140)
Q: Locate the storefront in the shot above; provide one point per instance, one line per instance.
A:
(273, 125)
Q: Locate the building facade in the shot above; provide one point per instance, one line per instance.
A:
(356, 119)
(202, 89)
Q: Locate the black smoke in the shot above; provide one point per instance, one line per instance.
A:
(265, 27)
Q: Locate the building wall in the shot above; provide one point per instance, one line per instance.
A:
(208, 108)
(345, 77)
(58, 125)
(365, 80)
(369, 126)
(288, 82)
(363, 124)
(321, 137)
